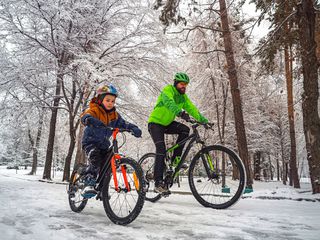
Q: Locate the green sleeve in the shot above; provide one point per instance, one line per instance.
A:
(168, 100)
(193, 111)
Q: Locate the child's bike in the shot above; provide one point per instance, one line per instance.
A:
(216, 174)
(120, 185)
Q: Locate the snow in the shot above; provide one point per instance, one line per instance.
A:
(30, 209)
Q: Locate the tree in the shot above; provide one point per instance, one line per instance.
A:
(235, 92)
(283, 37)
(299, 17)
(306, 21)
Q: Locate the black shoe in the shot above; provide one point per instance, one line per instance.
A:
(161, 188)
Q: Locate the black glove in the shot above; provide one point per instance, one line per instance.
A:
(136, 132)
(185, 116)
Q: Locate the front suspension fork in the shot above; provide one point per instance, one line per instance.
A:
(116, 158)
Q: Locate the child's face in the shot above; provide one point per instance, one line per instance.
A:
(108, 101)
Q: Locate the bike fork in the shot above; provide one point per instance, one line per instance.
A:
(207, 162)
(115, 158)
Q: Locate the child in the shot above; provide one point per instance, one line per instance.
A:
(101, 113)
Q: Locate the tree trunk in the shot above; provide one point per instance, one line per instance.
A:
(317, 37)
(37, 144)
(311, 120)
(283, 160)
(66, 170)
(278, 168)
(294, 178)
(52, 131)
(270, 167)
(80, 155)
(235, 92)
(257, 166)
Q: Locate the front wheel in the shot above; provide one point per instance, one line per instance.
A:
(124, 204)
(217, 177)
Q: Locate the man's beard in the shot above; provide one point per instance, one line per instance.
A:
(182, 90)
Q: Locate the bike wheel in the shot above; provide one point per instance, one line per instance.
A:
(122, 206)
(76, 201)
(147, 163)
(217, 177)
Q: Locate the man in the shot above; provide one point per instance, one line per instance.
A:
(171, 103)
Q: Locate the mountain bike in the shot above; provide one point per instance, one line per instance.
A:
(120, 185)
(216, 174)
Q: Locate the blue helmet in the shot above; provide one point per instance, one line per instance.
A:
(107, 89)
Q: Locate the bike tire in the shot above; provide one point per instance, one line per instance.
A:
(226, 188)
(76, 202)
(147, 164)
(114, 202)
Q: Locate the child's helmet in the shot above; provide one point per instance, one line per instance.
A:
(181, 77)
(107, 89)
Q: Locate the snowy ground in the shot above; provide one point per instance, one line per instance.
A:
(30, 209)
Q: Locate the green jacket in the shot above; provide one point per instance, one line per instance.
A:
(169, 104)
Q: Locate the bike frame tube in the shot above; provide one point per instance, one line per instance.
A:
(193, 137)
(114, 170)
(173, 148)
(110, 161)
(104, 170)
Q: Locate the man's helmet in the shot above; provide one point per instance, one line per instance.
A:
(181, 77)
(107, 89)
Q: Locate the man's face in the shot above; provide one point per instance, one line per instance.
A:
(182, 87)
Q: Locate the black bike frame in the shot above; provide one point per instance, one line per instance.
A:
(194, 137)
(104, 169)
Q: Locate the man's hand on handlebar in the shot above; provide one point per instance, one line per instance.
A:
(185, 116)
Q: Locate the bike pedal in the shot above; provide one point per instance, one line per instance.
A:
(165, 194)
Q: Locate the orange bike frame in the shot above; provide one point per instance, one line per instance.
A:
(117, 157)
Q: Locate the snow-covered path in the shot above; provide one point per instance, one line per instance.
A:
(34, 210)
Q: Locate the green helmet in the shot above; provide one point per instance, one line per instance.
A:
(181, 77)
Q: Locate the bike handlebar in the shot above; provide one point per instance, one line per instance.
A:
(205, 125)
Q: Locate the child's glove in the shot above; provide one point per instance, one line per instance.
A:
(136, 132)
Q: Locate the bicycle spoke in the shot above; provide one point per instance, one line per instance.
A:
(123, 203)
(218, 183)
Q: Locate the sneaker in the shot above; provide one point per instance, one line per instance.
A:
(90, 180)
(161, 188)
(89, 192)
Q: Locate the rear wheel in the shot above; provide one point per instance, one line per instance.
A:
(123, 205)
(147, 164)
(76, 201)
(217, 177)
